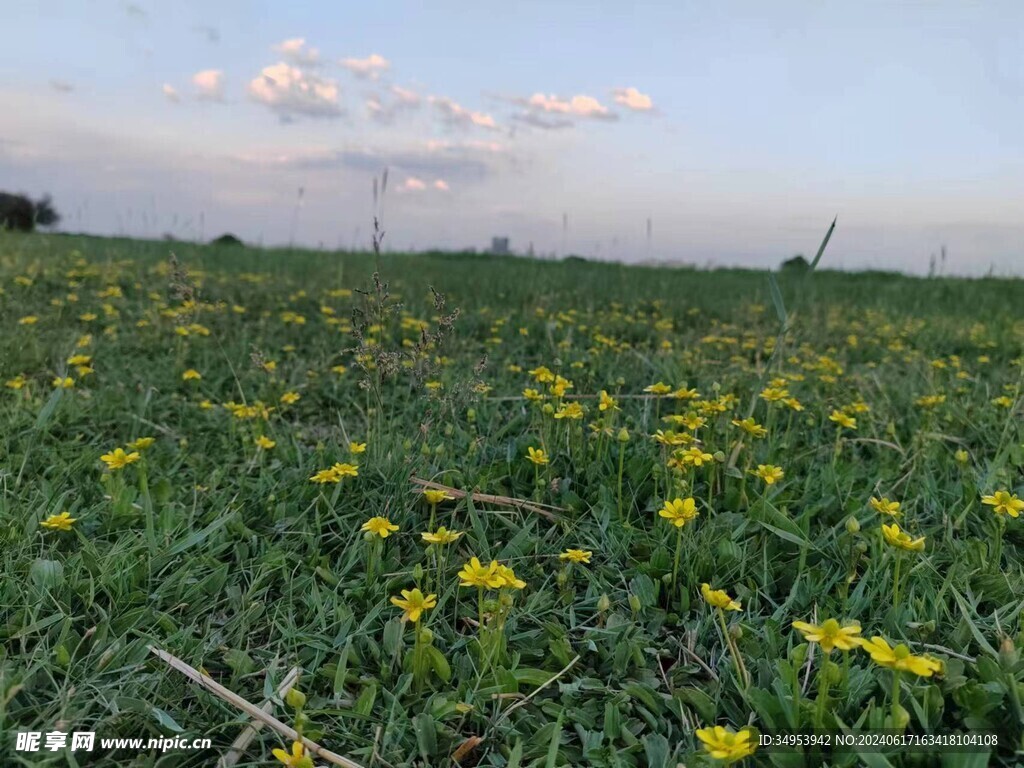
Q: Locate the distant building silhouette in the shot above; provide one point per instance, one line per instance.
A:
(499, 246)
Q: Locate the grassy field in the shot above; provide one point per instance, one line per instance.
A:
(696, 428)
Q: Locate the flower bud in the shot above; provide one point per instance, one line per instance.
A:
(861, 547)
(548, 408)
(623, 435)
(604, 603)
(735, 631)
(63, 658)
(852, 526)
(470, 415)
(634, 604)
(417, 572)
(1008, 653)
(295, 698)
(719, 457)
(562, 578)
(449, 430)
(798, 655)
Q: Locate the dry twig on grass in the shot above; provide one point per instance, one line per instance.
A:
(544, 510)
(250, 709)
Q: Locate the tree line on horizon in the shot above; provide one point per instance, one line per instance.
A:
(21, 213)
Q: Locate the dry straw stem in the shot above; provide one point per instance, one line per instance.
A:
(239, 745)
(540, 688)
(544, 510)
(252, 710)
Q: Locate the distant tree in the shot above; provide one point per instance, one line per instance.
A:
(20, 213)
(46, 214)
(796, 264)
(226, 239)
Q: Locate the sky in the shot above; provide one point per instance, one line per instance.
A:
(726, 133)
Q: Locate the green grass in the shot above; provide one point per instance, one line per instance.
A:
(231, 559)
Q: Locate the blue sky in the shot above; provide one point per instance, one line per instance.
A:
(739, 129)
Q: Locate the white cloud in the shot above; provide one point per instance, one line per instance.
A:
(578, 106)
(290, 91)
(384, 110)
(441, 185)
(405, 96)
(295, 51)
(371, 67)
(209, 84)
(170, 92)
(632, 99)
(412, 184)
(456, 115)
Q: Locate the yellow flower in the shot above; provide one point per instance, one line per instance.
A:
(962, 456)
(897, 538)
(774, 394)
(671, 437)
(532, 395)
(830, 634)
(326, 476)
(692, 421)
(289, 398)
(141, 444)
(380, 526)
(61, 522)
(576, 555)
(843, 419)
(28, 320)
(537, 456)
(297, 759)
(65, 382)
(660, 388)
(356, 448)
(900, 658)
(769, 473)
(18, 382)
(80, 360)
(475, 574)
(723, 744)
(695, 456)
(542, 375)
(191, 375)
(751, 427)
(679, 511)
(569, 411)
(508, 577)
(885, 507)
(345, 470)
(119, 459)
(436, 497)
(719, 598)
(414, 603)
(607, 402)
(441, 536)
(265, 442)
(1004, 503)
